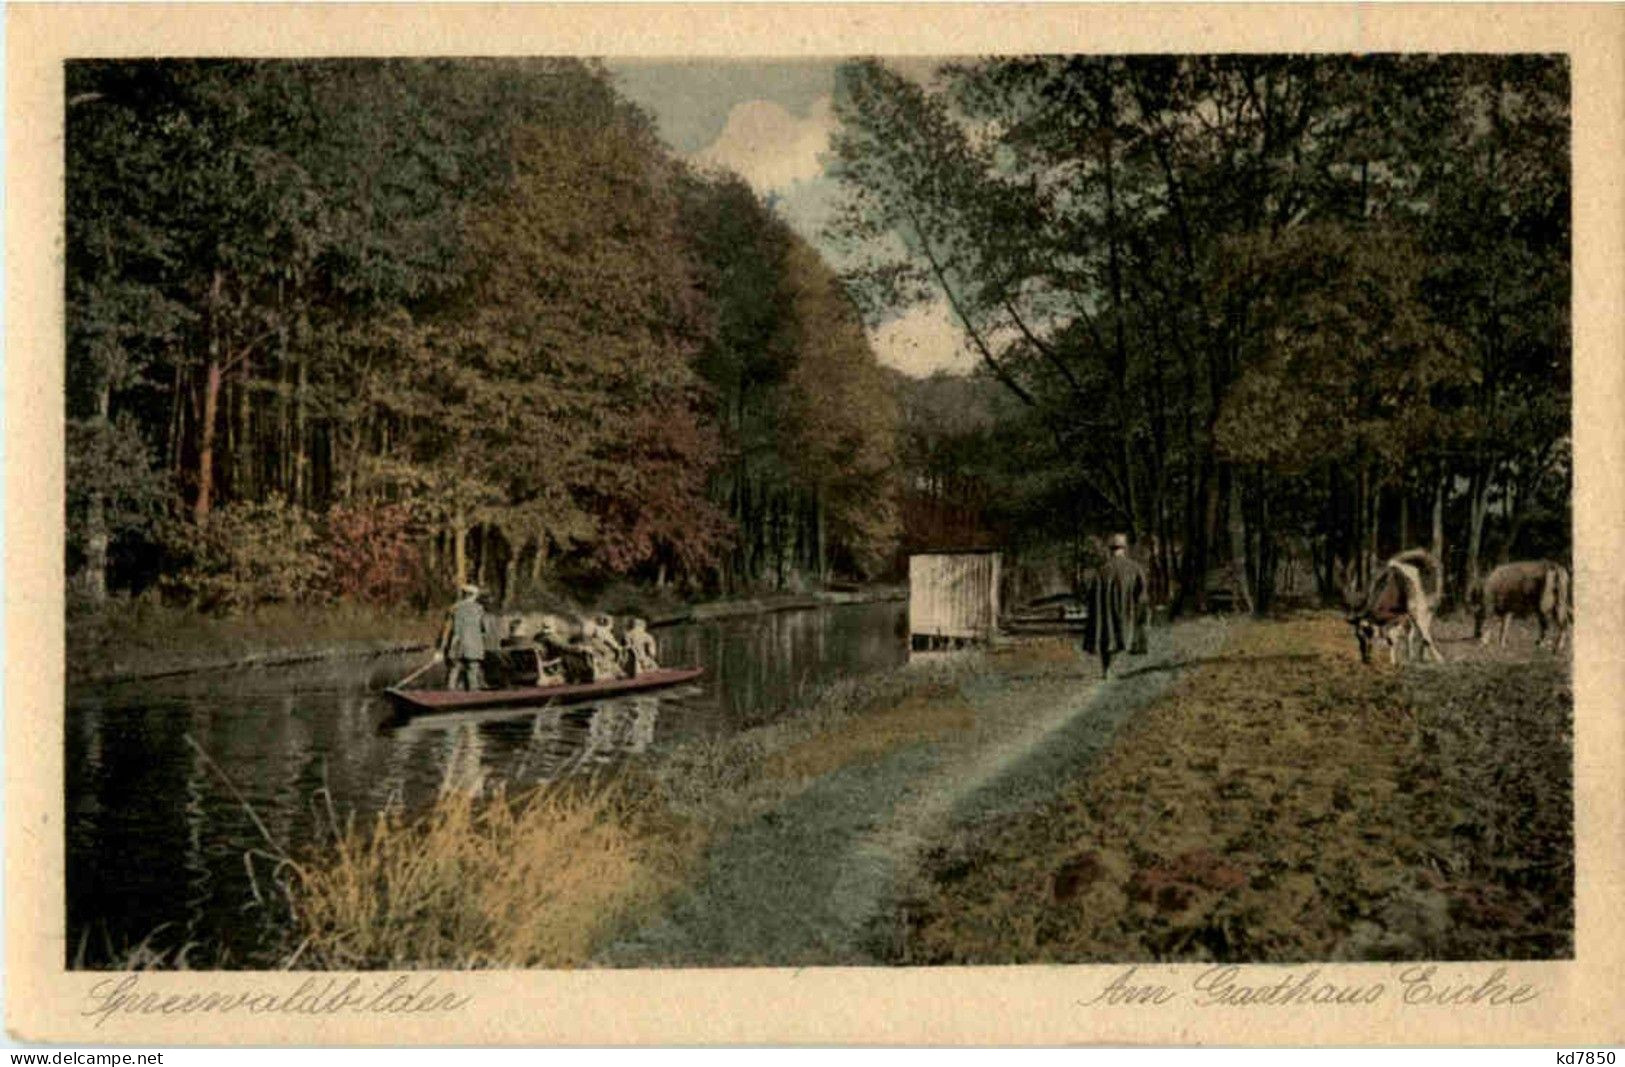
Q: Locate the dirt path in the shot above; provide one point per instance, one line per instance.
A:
(816, 880)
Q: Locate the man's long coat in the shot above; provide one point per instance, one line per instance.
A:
(1119, 607)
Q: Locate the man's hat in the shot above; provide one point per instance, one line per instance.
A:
(469, 588)
(1118, 541)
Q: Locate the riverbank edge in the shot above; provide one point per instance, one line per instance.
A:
(669, 814)
(80, 674)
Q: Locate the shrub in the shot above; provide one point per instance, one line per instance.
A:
(371, 554)
(246, 554)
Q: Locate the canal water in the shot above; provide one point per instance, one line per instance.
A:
(162, 831)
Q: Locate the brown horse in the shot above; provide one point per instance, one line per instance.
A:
(1531, 587)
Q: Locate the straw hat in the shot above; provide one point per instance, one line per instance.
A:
(1118, 541)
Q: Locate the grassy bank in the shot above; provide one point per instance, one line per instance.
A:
(1283, 803)
(139, 639)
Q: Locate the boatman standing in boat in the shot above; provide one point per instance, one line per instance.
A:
(1119, 607)
(462, 641)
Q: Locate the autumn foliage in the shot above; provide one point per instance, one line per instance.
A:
(480, 293)
(372, 552)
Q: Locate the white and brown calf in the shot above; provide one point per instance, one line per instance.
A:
(1396, 607)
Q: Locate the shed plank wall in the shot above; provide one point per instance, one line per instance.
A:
(953, 595)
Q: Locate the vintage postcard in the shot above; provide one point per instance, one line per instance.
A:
(814, 524)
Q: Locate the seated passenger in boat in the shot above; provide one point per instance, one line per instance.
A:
(552, 655)
(640, 648)
(575, 656)
(511, 660)
(607, 654)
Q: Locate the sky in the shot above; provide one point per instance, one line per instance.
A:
(770, 121)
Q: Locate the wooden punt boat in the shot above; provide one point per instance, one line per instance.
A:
(423, 701)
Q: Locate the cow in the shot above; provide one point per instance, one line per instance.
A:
(1400, 604)
(1532, 587)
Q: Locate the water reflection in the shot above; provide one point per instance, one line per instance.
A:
(157, 838)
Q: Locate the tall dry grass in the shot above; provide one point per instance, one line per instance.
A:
(485, 879)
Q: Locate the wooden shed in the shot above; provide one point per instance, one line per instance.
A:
(953, 598)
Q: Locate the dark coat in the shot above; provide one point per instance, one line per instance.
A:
(1119, 607)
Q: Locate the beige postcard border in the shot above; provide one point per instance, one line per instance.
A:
(1578, 1002)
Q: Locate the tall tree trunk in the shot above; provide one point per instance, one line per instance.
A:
(93, 578)
(1330, 589)
(1242, 521)
(209, 416)
(1204, 519)
(244, 455)
(459, 548)
(1517, 512)
(1436, 540)
(301, 457)
(176, 422)
(205, 459)
(1114, 270)
(284, 431)
(538, 561)
(282, 469)
(487, 554)
(1477, 508)
(1263, 567)
(1362, 547)
(1375, 519)
(1235, 518)
(822, 538)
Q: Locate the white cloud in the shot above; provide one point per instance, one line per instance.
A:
(926, 339)
(771, 148)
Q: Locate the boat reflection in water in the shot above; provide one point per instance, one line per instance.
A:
(535, 744)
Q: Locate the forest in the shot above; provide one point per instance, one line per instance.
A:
(362, 328)
(1274, 316)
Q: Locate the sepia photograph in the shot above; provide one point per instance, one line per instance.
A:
(629, 514)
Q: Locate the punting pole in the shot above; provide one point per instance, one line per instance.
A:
(415, 673)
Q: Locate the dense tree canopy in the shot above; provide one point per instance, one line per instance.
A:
(1248, 308)
(1252, 304)
(457, 318)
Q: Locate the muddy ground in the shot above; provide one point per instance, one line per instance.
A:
(1248, 791)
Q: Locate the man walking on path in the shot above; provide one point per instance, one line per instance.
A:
(1119, 607)
(462, 641)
